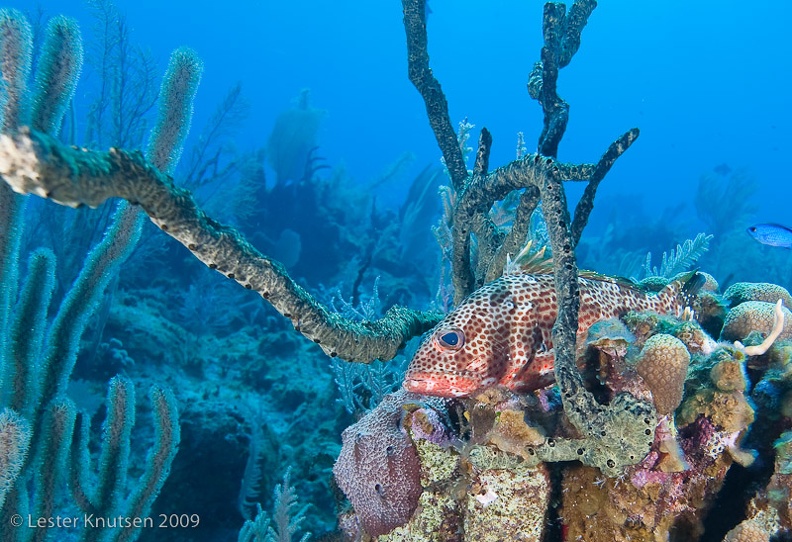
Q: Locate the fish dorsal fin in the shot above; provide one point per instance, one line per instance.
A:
(621, 281)
(533, 263)
(536, 263)
(779, 226)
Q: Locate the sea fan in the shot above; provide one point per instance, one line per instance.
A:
(287, 515)
(680, 260)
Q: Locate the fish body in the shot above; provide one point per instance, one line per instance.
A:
(774, 235)
(501, 333)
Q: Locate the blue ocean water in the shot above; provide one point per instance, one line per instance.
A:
(707, 83)
(704, 82)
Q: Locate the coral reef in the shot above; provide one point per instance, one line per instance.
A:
(483, 475)
(740, 292)
(476, 493)
(754, 316)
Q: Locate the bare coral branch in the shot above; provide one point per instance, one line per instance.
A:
(615, 435)
(516, 238)
(778, 328)
(561, 32)
(427, 84)
(34, 162)
(471, 210)
(586, 202)
(466, 222)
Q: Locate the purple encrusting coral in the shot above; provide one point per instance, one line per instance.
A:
(427, 424)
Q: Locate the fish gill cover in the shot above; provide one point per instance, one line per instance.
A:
(604, 408)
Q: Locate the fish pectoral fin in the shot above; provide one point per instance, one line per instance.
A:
(536, 372)
(544, 361)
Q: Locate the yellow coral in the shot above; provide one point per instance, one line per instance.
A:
(741, 292)
(512, 434)
(663, 364)
(729, 411)
(508, 505)
(729, 375)
(747, 531)
(754, 316)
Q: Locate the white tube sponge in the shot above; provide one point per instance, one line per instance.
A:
(16, 54)
(175, 109)
(160, 458)
(100, 266)
(51, 452)
(116, 442)
(57, 73)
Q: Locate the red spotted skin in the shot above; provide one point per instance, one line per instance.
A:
(506, 327)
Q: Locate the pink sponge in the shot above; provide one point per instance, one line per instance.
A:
(378, 469)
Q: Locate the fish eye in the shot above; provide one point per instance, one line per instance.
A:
(450, 339)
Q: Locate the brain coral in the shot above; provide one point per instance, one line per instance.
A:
(741, 292)
(663, 364)
(378, 468)
(747, 531)
(753, 316)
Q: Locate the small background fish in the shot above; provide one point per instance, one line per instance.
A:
(774, 235)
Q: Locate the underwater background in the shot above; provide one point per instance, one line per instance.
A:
(309, 139)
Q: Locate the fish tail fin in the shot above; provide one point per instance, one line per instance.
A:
(682, 292)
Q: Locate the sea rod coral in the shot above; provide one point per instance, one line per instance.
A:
(38, 355)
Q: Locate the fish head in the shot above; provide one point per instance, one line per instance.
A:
(771, 234)
(466, 352)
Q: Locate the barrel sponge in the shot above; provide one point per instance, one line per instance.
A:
(663, 364)
(754, 316)
(741, 292)
(747, 531)
(378, 469)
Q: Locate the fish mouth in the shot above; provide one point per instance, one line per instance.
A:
(440, 386)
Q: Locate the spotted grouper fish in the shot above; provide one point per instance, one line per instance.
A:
(501, 333)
